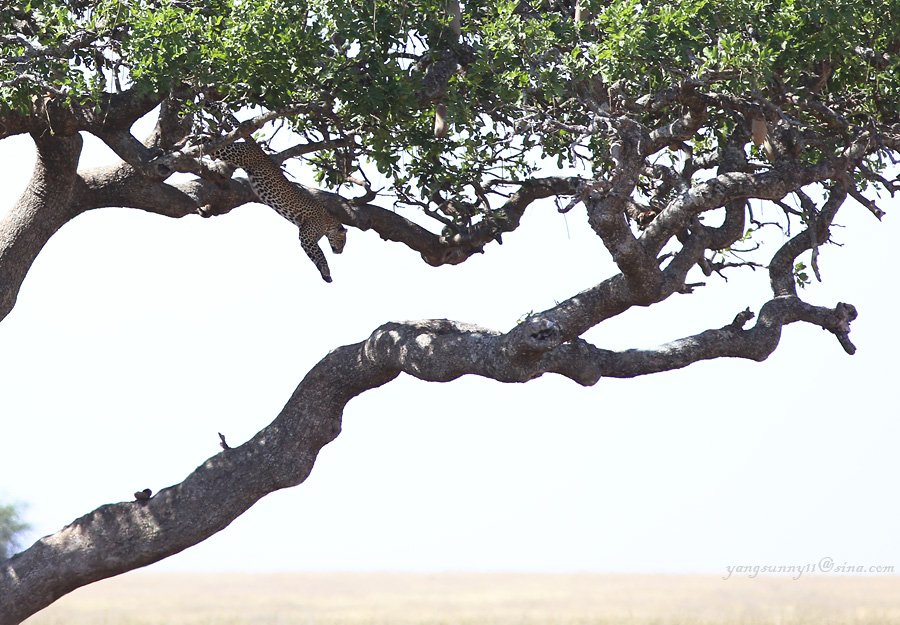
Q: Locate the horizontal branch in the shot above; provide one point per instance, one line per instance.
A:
(112, 112)
(122, 186)
(731, 341)
(79, 39)
(17, 123)
(74, 192)
(454, 248)
(306, 148)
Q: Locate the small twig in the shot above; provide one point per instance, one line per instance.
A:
(708, 267)
(812, 225)
(306, 148)
(856, 195)
(891, 186)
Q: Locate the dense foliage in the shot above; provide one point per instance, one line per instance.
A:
(520, 83)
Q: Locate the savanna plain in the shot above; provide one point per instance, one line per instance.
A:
(144, 598)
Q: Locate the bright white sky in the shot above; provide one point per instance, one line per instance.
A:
(136, 338)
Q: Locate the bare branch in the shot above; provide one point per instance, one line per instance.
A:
(306, 148)
(79, 39)
(873, 208)
(731, 341)
(123, 536)
(458, 246)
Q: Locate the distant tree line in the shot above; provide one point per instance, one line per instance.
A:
(11, 528)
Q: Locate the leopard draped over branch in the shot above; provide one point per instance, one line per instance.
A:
(272, 187)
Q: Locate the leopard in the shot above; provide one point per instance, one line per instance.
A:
(272, 188)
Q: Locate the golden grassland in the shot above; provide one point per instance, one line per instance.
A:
(143, 598)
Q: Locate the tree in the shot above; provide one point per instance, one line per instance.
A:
(663, 120)
(11, 527)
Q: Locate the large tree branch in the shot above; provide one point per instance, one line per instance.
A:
(116, 538)
(121, 185)
(111, 113)
(728, 187)
(44, 208)
(731, 341)
(17, 123)
(607, 203)
(453, 248)
(58, 193)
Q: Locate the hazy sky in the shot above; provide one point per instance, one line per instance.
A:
(136, 338)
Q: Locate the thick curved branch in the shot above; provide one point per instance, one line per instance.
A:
(113, 112)
(121, 185)
(119, 537)
(68, 193)
(173, 126)
(727, 187)
(129, 149)
(680, 129)
(58, 193)
(607, 209)
(44, 208)
(16, 123)
(733, 159)
(781, 275)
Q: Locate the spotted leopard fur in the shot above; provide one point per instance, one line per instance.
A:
(272, 188)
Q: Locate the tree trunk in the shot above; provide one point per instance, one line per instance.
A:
(46, 205)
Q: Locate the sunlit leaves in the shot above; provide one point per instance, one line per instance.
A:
(522, 83)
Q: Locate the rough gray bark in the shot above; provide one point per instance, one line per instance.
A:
(44, 208)
(116, 538)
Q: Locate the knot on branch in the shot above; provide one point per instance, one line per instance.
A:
(445, 256)
(847, 313)
(459, 243)
(741, 319)
(535, 336)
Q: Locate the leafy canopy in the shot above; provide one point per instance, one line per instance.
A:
(520, 83)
